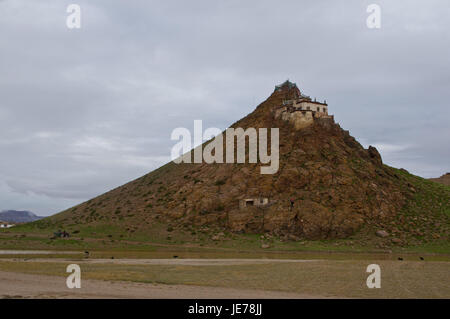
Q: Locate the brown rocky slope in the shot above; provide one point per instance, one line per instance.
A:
(444, 179)
(339, 189)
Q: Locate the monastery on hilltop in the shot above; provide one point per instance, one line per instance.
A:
(297, 108)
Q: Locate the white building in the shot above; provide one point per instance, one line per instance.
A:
(6, 225)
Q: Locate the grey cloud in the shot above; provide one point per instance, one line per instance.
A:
(83, 111)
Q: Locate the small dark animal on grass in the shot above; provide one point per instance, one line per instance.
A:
(400, 258)
(175, 256)
(421, 258)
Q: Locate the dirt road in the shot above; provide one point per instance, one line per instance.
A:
(186, 262)
(17, 285)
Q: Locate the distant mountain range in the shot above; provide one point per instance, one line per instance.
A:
(15, 216)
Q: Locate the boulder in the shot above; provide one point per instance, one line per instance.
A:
(382, 233)
(374, 155)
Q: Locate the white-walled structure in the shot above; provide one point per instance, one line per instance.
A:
(6, 225)
(299, 109)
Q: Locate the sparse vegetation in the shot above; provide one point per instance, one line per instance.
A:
(321, 278)
(343, 195)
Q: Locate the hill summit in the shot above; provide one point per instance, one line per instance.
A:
(327, 186)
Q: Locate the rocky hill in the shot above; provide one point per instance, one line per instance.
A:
(444, 179)
(339, 189)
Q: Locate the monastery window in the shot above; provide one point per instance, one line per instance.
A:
(318, 109)
(308, 108)
(324, 109)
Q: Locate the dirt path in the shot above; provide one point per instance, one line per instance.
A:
(184, 261)
(17, 285)
(38, 252)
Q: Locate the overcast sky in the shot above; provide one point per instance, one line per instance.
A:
(85, 110)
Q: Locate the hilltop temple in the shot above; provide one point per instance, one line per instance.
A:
(297, 108)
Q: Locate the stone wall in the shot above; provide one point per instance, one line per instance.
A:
(299, 119)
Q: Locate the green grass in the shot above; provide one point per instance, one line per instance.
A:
(232, 243)
(333, 278)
